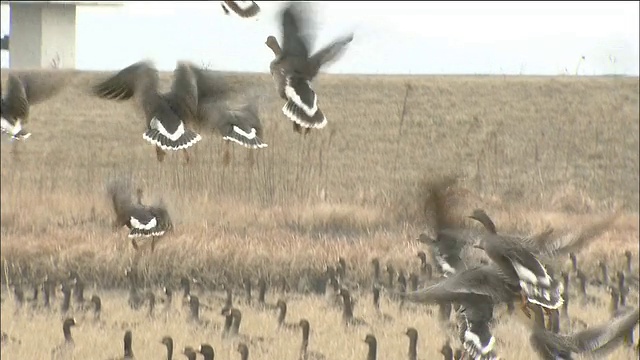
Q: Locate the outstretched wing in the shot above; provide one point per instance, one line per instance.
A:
(184, 92)
(243, 11)
(123, 85)
(331, 52)
(295, 24)
(15, 102)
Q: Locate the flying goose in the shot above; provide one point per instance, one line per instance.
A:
(25, 89)
(197, 98)
(476, 290)
(243, 10)
(142, 221)
(520, 266)
(294, 67)
(236, 120)
(166, 114)
(598, 340)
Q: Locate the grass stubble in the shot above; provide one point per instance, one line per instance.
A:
(532, 151)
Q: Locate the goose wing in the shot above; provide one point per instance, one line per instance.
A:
(123, 84)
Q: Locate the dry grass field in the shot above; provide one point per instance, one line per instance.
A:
(532, 151)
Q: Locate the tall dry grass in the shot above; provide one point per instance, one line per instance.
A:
(532, 151)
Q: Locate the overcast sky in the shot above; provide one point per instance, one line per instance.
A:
(433, 37)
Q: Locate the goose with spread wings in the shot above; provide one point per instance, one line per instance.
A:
(23, 90)
(523, 259)
(197, 98)
(597, 340)
(241, 8)
(167, 114)
(143, 221)
(294, 67)
(476, 291)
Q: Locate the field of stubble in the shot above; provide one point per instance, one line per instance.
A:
(532, 151)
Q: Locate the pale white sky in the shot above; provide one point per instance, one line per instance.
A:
(532, 38)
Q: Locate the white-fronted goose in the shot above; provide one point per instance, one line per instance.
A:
(167, 115)
(294, 67)
(521, 267)
(372, 343)
(167, 341)
(305, 354)
(243, 350)
(241, 8)
(65, 350)
(189, 352)
(412, 334)
(207, 351)
(237, 121)
(142, 221)
(128, 350)
(475, 291)
(597, 340)
(198, 98)
(347, 310)
(282, 314)
(25, 89)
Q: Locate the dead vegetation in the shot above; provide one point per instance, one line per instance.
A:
(534, 152)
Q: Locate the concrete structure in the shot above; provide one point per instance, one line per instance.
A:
(44, 32)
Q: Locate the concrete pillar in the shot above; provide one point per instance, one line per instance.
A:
(42, 33)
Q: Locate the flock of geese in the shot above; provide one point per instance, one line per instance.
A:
(476, 274)
(199, 99)
(480, 270)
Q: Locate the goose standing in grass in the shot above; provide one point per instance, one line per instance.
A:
(372, 343)
(65, 350)
(207, 351)
(241, 8)
(596, 340)
(142, 221)
(294, 68)
(189, 352)
(412, 333)
(128, 350)
(282, 314)
(25, 89)
(305, 354)
(167, 341)
(243, 350)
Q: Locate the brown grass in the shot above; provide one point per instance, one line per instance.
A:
(532, 151)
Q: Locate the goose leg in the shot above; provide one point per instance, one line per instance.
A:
(250, 159)
(226, 156)
(153, 243)
(524, 303)
(134, 243)
(306, 131)
(160, 154)
(186, 155)
(297, 128)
